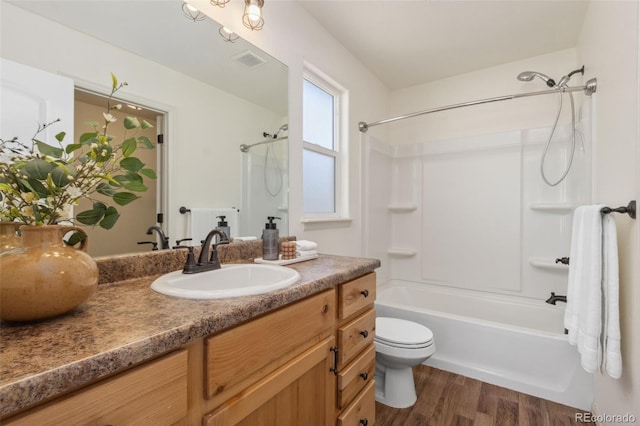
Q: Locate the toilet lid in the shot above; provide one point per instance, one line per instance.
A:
(395, 331)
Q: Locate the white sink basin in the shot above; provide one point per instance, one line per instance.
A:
(229, 281)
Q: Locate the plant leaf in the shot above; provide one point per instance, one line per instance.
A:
(49, 150)
(114, 81)
(149, 173)
(128, 147)
(37, 168)
(90, 217)
(59, 177)
(145, 124)
(131, 123)
(105, 189)
(146, 142)
(136, 186)
(72, 147)
(132, 164)
(60, 136)
(75, 238)
(86, 137)
(111, 216)
(124, 198)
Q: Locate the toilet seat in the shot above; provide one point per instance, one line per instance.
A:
(400, 333)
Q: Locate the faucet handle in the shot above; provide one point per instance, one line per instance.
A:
(153, 243)
(178, 242)
(190, 264)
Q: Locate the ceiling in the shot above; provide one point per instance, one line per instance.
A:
(403, 42)
(409, 42)
(166, 37)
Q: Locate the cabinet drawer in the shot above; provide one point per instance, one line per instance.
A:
(362, 411)
(356, 376)
(238, 357)
(356, 294)
(152, 394)
(354, 336)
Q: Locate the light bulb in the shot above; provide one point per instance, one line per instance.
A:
(254, 12)
(227, 30)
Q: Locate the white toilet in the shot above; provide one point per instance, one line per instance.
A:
(400, 346)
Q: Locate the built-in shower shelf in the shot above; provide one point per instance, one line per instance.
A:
(402, 208)
(558, 208)
(543, 263)
(402, 252)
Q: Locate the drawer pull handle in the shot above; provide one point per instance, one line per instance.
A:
(364, 333)
(364, 376)
(365, 293)
(364, 422)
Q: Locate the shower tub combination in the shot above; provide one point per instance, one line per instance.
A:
(503, 340)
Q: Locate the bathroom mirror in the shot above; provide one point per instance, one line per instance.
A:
(211, 96)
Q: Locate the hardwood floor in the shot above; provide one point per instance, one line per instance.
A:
(447, 399)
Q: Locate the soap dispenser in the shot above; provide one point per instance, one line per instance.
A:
(270, 240)
(224, 227)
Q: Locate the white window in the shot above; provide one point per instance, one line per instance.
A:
(324, 149)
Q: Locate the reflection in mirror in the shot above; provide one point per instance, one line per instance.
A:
(217, 96)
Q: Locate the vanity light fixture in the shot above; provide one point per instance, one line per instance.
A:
(252, 16)
(227, 34)
(191, 13)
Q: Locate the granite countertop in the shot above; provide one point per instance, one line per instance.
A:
(126, 323)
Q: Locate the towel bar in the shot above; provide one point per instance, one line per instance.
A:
(630, 209)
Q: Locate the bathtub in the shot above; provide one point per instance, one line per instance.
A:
(507, 341)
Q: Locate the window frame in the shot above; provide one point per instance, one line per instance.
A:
(340, 146)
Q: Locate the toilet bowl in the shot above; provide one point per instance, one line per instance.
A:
(400, 346)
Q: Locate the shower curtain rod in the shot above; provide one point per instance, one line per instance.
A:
(588, 90)
(246, 148)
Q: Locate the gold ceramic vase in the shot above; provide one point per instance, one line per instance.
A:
(45, 277)
(9, 238)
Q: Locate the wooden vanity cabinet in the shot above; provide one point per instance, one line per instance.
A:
(356, 352)
(152, 394)
(308, 363)
(275, 370)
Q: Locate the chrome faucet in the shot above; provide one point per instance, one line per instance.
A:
(164, 241)
(206, 261)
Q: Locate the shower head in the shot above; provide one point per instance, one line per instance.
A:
(529, 75)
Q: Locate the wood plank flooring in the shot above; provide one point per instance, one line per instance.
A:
(448, 399)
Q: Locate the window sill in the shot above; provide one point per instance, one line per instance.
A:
(326, 220)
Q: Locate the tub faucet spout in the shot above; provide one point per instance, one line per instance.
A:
(553, 299)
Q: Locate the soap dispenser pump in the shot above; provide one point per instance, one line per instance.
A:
(270, 240)
(224, 227)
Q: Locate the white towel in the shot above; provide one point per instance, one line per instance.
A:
(592, 312)
(306, 253)
(610, 282)
(584, 292)
(204, 220)
(306, 245)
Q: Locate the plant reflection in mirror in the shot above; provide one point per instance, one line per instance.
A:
(40, 183)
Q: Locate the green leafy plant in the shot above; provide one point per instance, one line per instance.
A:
(40, 181)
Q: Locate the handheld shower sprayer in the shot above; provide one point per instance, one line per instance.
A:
(529, 75)
(560, 86)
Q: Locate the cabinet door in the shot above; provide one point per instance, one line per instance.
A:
(301, 392)
(152, 394)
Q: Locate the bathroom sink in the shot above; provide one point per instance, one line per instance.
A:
(229, 281)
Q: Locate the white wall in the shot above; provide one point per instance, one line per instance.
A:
(294, 37)
(206, 125)
(609, 45)
(523, 113)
